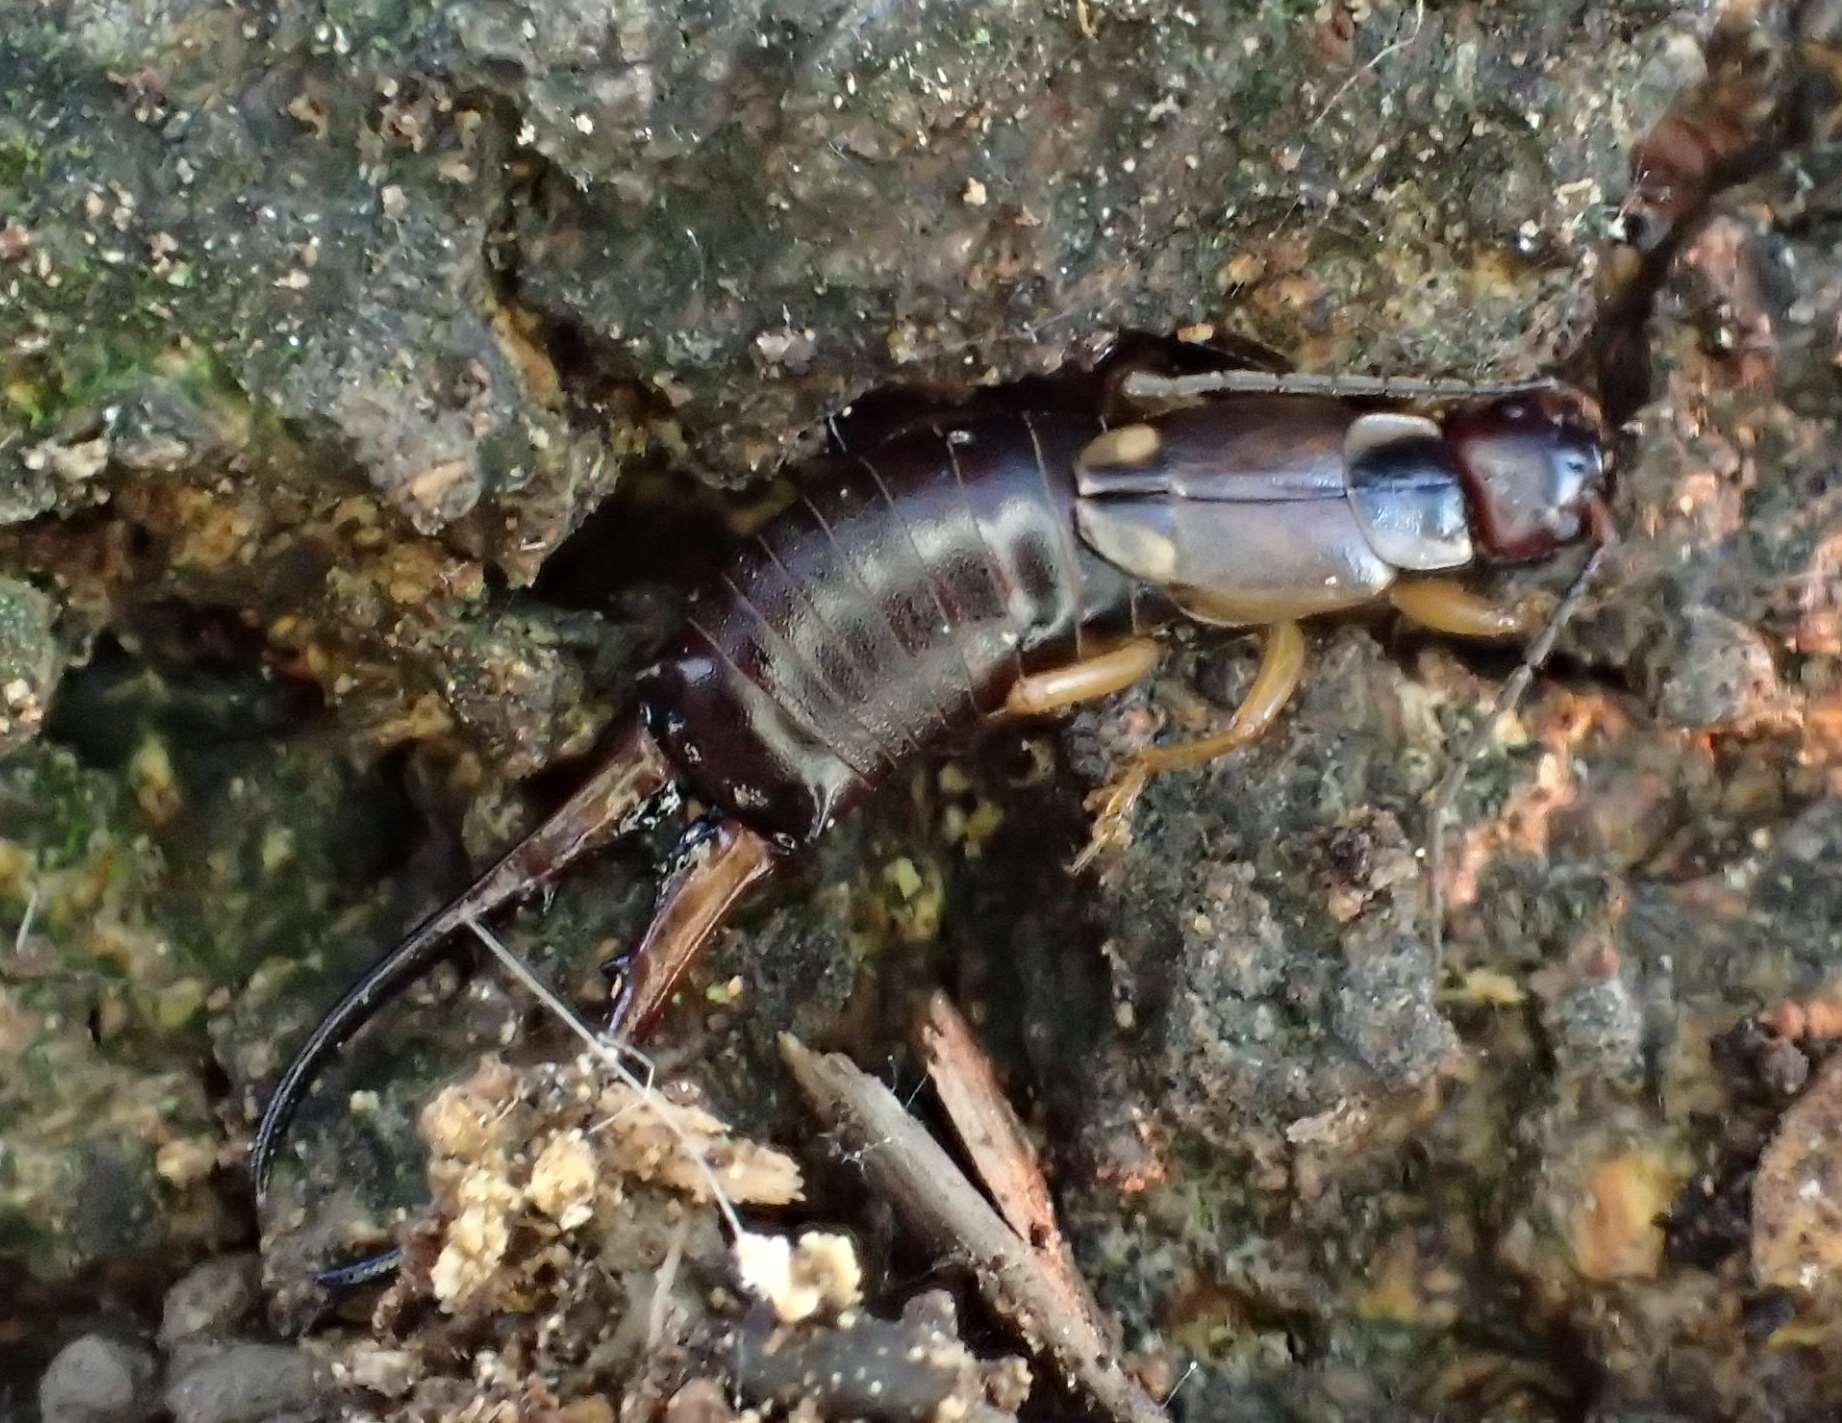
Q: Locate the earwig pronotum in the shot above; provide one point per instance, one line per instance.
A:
(1017, 559)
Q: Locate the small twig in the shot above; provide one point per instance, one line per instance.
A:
(907, 1166)
(994, 1139)
(1511, 693)
(609, 1052)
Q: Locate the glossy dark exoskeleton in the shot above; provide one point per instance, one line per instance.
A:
(1014, 558)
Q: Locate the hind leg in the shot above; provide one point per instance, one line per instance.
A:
(716, 863)
(1282, 662)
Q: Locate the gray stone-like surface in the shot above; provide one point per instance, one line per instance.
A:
(31, 661)
(245, 1383)
(212, 1299)
(98, 1379)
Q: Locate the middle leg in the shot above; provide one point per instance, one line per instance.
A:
(1101, 676)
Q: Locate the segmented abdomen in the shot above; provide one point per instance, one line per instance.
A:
(893, 605)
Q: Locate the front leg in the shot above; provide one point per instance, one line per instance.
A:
(1282, 662)
(1449, 607)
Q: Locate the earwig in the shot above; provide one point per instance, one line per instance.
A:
(1015, 560)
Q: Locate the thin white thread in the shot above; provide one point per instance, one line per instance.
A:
(1393, 47)
(25, 924)
(610, 1052)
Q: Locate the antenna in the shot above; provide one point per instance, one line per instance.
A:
(1511, 693)
(1146, 385)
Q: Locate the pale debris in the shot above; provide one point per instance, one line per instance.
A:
(552, 1147)
(641, 1142)
(459, 1120)
(563, 1180)
(477, 1237)
(820, 1274)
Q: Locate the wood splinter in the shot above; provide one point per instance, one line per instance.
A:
(995, 1140)
(1018, 1280)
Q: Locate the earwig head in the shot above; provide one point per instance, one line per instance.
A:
(1534, 471)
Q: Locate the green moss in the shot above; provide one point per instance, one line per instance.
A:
(96, 370)
(22, 162)
(89, 373)
(50, 802)
(29, 399)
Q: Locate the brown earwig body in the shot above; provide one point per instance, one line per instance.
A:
(893, 606)
(1017, 560)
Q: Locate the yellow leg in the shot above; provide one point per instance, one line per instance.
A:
(1083, 681)
(1282, 661)
(1445, 606)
